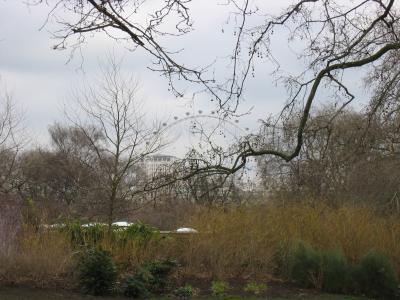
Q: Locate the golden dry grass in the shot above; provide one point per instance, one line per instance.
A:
(247, 239)
(40, 259)
(244, 241)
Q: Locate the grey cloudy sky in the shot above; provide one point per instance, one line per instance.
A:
(41, 80)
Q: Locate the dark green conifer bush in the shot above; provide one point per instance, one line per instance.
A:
(97, 272)
(375, 277)
(136, 287)
(335, 272)
(307, 267)
(151, 277)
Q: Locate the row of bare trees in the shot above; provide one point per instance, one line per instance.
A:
(94, 165)
(325, 154)
(354, 157)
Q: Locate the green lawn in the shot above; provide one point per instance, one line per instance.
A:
(317, 297)
(36, 294)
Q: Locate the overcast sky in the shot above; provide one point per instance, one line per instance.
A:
(42, 81)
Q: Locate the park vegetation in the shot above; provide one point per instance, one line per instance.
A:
(327, 220)
(323, 211)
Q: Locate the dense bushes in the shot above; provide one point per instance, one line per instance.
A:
(140, 232)
(151, 277)
(336, 272)
(329, 271)
(307, 266)
(95, 233)
(375, 277)
(247, 242)
(96, 268)
(97, 272)
(259, 238)
(136, 287)
(325, 270)
(156, 273)
(98, 275)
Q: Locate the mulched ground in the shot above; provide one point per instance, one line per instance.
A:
(275, 287)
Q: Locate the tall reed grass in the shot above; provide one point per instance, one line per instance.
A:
(38, 259)
(247, 241)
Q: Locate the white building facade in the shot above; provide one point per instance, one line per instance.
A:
(157, 164)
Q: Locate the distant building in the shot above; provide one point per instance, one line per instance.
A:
(157, 164)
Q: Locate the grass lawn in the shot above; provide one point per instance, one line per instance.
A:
(316, 297)
(36, 294)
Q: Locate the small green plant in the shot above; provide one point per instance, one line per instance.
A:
(157, 273)
(336, 272)
(255, 288)
(151, 277)
(74, 229)
(375, 276)
(307, 267)
(186, 291)
(94, 234)
(139, 232)
(218, 288)
(97, 272)
(136, 287)
(89, 235)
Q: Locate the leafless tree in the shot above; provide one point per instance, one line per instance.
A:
(109, 117)
(12, 139)
(61, 178)
(335, 37)
(11, 142)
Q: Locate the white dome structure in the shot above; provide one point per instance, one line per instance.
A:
(186, 230)
(121, 224)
